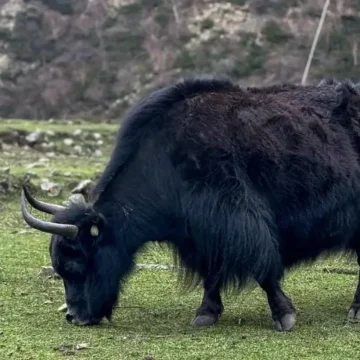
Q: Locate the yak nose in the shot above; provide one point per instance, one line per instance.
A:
(69, 317)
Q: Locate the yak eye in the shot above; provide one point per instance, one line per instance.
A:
(94, 231)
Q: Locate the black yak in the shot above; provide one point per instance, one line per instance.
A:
(242, 183)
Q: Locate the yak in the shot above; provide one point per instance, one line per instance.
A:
(242, 183)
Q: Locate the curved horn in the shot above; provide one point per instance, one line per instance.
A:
(69, 231)
(42, 206)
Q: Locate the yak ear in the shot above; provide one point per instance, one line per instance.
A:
(96, 227)
(94, 231)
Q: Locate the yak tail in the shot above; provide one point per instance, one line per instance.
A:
(231, 242)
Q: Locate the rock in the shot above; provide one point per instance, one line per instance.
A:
(62, 308)
(50, 154)
(78, 149)
(4, 63)
(6, 147)
(98, 153)
(5, 171)
(40, 163)
(96, 136)
(34, 137)
(48, 272)
(77, 199)
(84, 188)
(68, 174)
(77, 132)
(99, 143)
(50, 132)
(48, 146)
(82, 346)
(8, 12)
(50, 187)
(68, 141)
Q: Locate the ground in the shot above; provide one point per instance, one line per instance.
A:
(154, 314)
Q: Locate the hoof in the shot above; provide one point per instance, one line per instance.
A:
(286, 323)
(204, 320)
(354, 314)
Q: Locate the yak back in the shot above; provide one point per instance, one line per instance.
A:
(267, 134)
(276, 137)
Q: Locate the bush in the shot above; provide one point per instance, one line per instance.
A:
(274, 33)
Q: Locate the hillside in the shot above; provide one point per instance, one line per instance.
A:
(93, 58)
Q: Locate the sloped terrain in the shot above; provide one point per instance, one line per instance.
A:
(154, 314)
(93, 58)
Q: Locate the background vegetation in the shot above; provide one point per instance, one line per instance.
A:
(91, 59)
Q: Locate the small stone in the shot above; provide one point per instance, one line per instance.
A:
(62, 308)
(96, 136)
(47, 302)
(50, 154)
(98, 153)
(99, 143)
(68, 174)
(48, 146)
(78, 149)
(68, 141)
(77, 199)
(50, 187)
(48, 272)
(82, 346)
(34, 137)
(5, 171)
(77, 132)
(50, 132)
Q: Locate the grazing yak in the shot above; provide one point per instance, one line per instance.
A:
(242, 183)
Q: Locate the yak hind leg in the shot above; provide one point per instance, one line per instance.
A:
(211, 306)
(282, 310)
(354, 312)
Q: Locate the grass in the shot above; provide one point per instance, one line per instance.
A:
(154, 316)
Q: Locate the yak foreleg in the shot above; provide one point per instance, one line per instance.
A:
(282, 309)
(211, 307)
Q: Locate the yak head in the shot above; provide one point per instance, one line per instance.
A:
(84, 254)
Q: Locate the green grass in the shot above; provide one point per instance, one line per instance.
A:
(58, 126)
(155, 313)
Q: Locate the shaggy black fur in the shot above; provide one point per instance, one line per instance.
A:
(241, 182)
